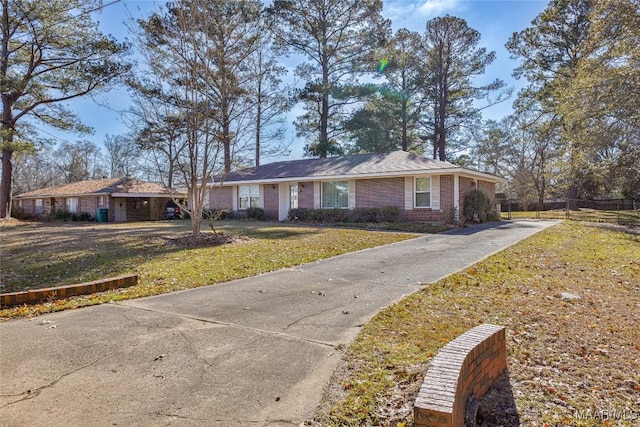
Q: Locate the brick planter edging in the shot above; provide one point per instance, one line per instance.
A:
(466, 366)
(47, 294)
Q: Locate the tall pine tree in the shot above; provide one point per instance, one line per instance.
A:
(338, 39)
(52, 51)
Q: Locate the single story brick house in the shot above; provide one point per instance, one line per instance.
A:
(126, 199)
(423, 189)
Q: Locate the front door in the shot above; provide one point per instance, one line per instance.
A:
(120, 213)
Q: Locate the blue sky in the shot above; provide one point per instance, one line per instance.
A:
(496, 20)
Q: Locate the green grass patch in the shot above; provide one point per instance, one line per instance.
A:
(563, 356)
(37, 256)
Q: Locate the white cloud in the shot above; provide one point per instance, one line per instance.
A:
(437, 7)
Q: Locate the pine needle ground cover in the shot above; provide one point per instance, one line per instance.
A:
(43, 255)
(569, 297)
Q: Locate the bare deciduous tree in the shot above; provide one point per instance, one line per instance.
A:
(196, 51)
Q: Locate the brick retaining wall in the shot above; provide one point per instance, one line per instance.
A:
(466, 366)
(47, 294)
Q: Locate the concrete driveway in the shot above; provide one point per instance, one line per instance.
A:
(256, 351)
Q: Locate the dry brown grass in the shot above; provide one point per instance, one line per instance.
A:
(566, 357)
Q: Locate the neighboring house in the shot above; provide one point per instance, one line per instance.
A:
(424, 189)
(126, 199)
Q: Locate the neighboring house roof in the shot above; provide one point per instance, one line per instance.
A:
(396, 163)
(115, 187)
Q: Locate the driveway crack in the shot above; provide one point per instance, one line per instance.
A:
(311, 315)
(32, 394)
(233, 325)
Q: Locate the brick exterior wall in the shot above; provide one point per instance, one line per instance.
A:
(466, 185)
(466, 366)
(88, 204)
(374, 193)
(221, 198)
(271, 194)
(305, 195)
(443, 214)
(489, 189)
(28, 206)
(446, 196)
(390, 191)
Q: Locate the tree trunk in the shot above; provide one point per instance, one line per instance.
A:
(5, 185)
(196, 223)
(323, 143)
(258, 122)
(261, 74)
(404, 144)
(226, 136)
(194, 199)
(435, 134)
(7, 156)
(7, 122)
(441, 130)
(572, 195)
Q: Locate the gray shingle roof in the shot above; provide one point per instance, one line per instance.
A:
(99, 187)
(362, 164)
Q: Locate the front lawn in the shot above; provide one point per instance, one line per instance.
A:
(42, 255)
(568, 356)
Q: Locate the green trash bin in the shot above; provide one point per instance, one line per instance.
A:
(102, 214)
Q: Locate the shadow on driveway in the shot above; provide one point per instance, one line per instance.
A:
(498, 225)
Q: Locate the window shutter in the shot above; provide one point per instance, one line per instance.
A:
(408, 193)
(316, 194)
(435, 192)
(234, 203)
(352, 193)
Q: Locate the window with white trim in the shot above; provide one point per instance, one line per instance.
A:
(335, 194)
(422, 192)
(248, 196)
(102, 201)
(71, 204)
(38, 206)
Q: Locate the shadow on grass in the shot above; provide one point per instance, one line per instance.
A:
(42, 255)
(498, 405)
(265, 230)
(631, 229)
(282, 233)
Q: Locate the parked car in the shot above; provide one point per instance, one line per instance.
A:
(172, 210)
